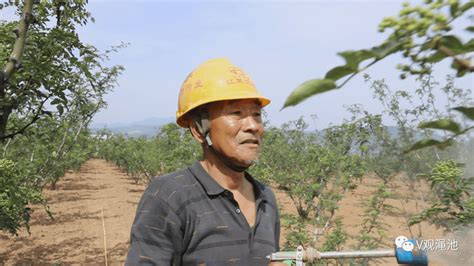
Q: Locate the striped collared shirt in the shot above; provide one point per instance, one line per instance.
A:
(187, 218)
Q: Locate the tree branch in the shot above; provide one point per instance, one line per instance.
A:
(33, 120)
(14, 61)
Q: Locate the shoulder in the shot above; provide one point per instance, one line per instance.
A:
(164, 185)
(173, 188)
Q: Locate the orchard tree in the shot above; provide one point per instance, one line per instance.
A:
(315, 170)
(56, 63)
(453, 206)
(51, 85)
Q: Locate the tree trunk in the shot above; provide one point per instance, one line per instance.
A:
(13, 64)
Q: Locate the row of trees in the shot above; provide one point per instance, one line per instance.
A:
(51, 85)
(142, 159)
(36, 159)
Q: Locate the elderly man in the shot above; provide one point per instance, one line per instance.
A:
(213, 212)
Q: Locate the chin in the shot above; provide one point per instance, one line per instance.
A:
(246, 157)
(248, 161)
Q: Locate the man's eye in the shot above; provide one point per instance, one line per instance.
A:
(236, 113)
(257, 114)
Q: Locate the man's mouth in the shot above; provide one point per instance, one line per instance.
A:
(251, 141)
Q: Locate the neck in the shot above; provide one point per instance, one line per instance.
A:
(226, 177)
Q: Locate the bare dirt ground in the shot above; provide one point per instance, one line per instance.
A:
(351, 209)
(100, 198)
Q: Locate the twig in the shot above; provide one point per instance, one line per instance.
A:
(105, 235)
(5, 148)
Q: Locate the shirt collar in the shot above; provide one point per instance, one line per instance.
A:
(213, 188)
(208, 183)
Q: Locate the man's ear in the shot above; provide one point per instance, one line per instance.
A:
(195, 132)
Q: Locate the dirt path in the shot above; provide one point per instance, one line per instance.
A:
(99, 194)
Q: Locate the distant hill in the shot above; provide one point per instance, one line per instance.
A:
(147, 127)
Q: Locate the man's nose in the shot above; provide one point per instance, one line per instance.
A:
(251, 124)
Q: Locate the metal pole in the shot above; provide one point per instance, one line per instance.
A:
(357, 254)
(283, 255)
(313, 255)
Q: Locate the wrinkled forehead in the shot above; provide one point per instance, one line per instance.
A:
(240, 103)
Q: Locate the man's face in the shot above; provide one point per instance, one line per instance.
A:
(236, 129)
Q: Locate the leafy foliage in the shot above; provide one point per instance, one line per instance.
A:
(336, 238)
(421, 33)
(14, 191)
(56, 65)
(298, 232)
(47, 106)
(314, 169)
(41, 158)
(454, 205)
(378, 150)
(424, 35)
(447, 125)
(372, 224)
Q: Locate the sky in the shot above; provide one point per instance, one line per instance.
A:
(279, 44)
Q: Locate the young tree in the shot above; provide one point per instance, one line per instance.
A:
(453, 206)
(315, 170)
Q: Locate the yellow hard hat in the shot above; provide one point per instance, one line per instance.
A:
(214, 80)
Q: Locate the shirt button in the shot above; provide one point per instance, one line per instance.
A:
(237, 211)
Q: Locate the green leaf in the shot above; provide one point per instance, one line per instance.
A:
(436, 57)
(454, 9)
(470, 28)
(466, 6)
(354, 58)
(428, 143)
(444, 124)
(56, 101)
(469, 46)
(46, 112)
(339, 72)
(461, 70)
(387, 48)
(431, 43)
(467, 111)
(88, 59)
(60, 109)
(453, 43)
(308, 89)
